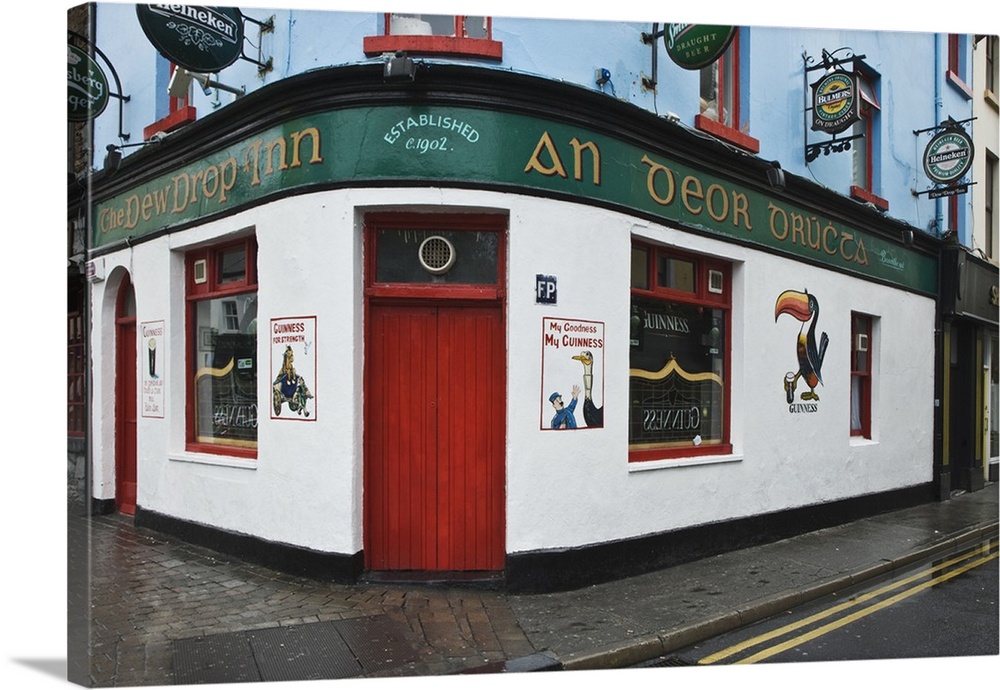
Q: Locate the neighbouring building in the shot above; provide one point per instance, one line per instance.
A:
(542, 302)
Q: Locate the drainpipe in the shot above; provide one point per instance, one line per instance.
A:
(939, 202)
(941, 470)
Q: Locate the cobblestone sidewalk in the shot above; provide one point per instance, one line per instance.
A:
(149, 591)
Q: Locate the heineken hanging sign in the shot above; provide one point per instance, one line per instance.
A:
(836, 105)
(87, 86)
(199, 39)
(693, 46)
(948, 156)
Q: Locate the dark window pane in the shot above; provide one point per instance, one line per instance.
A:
(398, 257)
(640, 268)
(674, 274)
(677, 376)
(232, 265)
(225, 377)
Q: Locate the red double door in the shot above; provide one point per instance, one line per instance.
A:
(434, 437)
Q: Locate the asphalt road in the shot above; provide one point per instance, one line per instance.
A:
(945, 608)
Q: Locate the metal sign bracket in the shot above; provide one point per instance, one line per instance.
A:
(828, 62)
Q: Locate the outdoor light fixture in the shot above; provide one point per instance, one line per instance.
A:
(399, 68)
(775, 175)
(113, 158)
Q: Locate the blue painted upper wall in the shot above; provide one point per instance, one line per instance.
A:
(911, 84)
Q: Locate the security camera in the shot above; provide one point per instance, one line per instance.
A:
(180, 82)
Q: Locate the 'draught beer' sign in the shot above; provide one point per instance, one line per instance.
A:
(693, 46)
(198, 38)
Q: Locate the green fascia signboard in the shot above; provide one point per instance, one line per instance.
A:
(441, 145)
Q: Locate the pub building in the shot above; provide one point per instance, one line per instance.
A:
(476, 324)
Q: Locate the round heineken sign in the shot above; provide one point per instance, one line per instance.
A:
(87, 86)
(835, 102)
(948, 156)
(200, 39)
(693, 46)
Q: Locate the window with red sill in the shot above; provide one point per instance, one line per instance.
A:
(865, 150)
(179, 111)
(861, 375)
(723, 96)
(958, 69)
(434, 34)
(221, 292)
(679, 352)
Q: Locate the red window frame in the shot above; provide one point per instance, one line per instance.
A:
(957, 73)
(459, 45)
(864, 189)
(861, 324)
(699, 297)
(213, 289)
(728, 82)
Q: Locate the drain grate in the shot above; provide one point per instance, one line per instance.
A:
(665, 661)
(308, 652)
(214, 659)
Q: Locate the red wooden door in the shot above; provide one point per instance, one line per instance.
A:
(126, 403)
(434, 438)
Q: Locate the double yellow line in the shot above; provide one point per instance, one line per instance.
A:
(970, 559)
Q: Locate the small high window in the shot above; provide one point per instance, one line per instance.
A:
(865, 150)
(861, 375)
(723, 95)
(446, 35)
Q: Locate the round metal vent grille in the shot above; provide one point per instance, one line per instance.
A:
(436, 254)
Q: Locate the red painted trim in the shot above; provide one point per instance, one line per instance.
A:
(733, 136)
(700, 297)
(862, 194)
(417, 296)
(865, 377)
(959, 84)
(125, 400)
(176, 119)
(434, 45)
(193, 295)
(686, 452)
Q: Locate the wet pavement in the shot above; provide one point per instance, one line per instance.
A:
(165, 612)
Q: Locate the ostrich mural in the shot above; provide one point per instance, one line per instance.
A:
(592, 414)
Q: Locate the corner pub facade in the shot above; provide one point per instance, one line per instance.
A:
(432, 316)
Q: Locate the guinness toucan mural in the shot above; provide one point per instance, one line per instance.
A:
(804, 307)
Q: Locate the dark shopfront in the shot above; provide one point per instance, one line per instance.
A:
(969, 301)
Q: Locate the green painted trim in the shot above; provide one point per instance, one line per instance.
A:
(443, 145)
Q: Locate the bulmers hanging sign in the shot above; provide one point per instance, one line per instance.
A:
(836, 105)
(948, 156)
(693, 46)
(87, 86)
(200, 39)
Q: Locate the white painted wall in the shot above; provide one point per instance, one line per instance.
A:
(564, 489)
